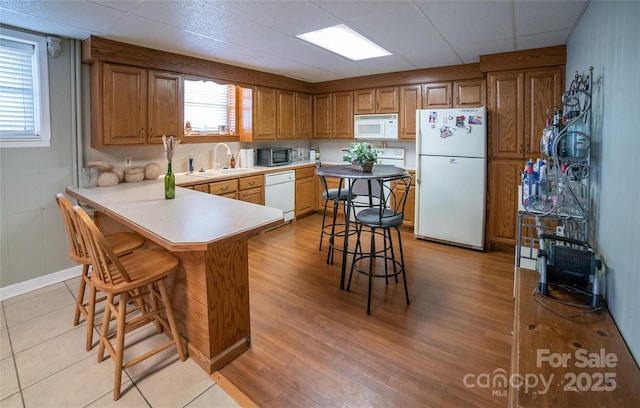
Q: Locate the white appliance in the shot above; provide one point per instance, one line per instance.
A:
(279, 192)
(374, 127)
(451, 168)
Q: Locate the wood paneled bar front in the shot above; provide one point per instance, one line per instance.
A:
(208, 234)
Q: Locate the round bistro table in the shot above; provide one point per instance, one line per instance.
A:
(351, 175)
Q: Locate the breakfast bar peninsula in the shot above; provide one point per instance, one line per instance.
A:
(208, 233)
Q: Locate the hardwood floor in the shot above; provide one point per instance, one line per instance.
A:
(313, 345)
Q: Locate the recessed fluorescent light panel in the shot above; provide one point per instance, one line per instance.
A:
(346, 42)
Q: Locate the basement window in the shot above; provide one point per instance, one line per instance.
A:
(24, 90)
(209, 108)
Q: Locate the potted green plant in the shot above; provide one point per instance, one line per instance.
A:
(362, 156)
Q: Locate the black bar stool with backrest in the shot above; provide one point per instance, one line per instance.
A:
(385, 214)
(336, 196)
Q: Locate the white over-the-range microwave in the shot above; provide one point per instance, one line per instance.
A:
(379, 126)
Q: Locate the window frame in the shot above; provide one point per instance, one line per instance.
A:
(42, 136)
(212, 136)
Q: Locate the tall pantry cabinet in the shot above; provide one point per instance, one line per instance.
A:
(518, 104)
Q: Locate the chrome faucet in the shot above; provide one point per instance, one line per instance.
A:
(215, 155)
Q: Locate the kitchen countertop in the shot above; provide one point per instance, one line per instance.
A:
(187, 179)
(208, 234)
(190, 221)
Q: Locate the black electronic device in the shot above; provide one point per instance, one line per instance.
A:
(568, 262)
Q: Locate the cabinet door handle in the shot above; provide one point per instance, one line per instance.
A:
(151, 132)
(224, 188)
(142, 132)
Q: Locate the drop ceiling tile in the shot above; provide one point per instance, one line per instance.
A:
(43, 26)
(301, 51)
(85, 15)
(347, 10)
(470, 51)
(549, 39)
(187, 14)
(153, 34)
(437, 57)
(244, 33)
(534, 17)
(371, 67)
(291, 17)
(415, 36)
(124, 5)
(314, 75)
(466, 20)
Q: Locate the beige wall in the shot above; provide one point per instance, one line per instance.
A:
(607, 39)
(31, 228)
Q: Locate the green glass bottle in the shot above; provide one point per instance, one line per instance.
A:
(169, 184)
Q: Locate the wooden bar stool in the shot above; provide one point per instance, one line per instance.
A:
(138, 275)
(121, 243)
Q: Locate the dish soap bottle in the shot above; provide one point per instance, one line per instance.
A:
(317, 152)
(232, 162)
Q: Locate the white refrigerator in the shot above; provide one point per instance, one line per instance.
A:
(451, 169)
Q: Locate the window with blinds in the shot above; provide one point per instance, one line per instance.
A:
(209, 107)
(24, 90)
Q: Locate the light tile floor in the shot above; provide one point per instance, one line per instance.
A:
(44, 362)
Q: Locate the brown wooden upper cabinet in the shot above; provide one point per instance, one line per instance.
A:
(264, 113)
(285, 114)
(455, 94)
(517, 109)
(304, 116)
(134, 106)
(518, 104)
(378, 100)
(333, 115)
(410, 101)
(279, 114)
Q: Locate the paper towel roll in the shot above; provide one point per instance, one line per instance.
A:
(247, 157)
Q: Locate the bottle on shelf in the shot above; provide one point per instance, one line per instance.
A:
(529, 185)
(317, 152)
(577, 142)
(546, 142)
(559, 139)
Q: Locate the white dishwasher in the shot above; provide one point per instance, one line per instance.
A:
(279, 192)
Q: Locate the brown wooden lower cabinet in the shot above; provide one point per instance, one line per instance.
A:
(305, 191)
(502, 202)
(225, 188)
(251, 189)
(410, 205)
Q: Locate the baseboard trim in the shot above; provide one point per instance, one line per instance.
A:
(232, 391)
(39, 282)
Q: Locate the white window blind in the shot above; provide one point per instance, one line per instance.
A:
(24, 101)
(208, 105)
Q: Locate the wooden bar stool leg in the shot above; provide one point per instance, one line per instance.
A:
(80, 298)
(171, 318)
(122, 316)
(91, 317)
(106, 318)
(154, 306)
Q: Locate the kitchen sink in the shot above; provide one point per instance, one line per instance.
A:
(218, 172)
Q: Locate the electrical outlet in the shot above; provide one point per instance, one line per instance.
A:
(127, 161)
